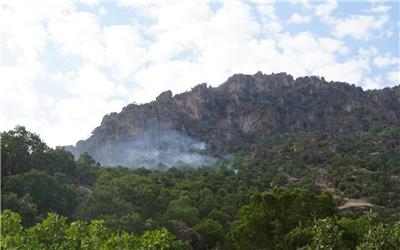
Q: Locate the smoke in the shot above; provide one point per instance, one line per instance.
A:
(155, 148)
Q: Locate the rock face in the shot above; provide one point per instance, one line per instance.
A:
(186, 233)
(244, 109)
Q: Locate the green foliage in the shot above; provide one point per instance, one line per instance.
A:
(87, 170)
(35, 178)
(23, 206)
(160, 239)
(299, 237)
(103, 202)
(212, 232)
(327, 235)
(48, 193)
(182, 209)
(273, 215)
(17, 147)
(353, 230)
(357, 165)
(55, 233)
(131, 222)
(11, 230)
(238, 203)
(54, 161)
(22, 151)
(381, 237)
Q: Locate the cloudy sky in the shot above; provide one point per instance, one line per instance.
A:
(65, 64)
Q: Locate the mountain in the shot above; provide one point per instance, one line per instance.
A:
(245, 109)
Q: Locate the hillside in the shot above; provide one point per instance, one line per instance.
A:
(358, 168)
(292, 191)
(260, 162)
(244, 109)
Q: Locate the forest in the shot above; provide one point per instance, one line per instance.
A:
(293, 191)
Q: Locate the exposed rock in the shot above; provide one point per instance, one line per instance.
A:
(245, 109)
(186, 233)
(164, 96)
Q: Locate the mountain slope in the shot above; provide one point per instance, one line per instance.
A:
(245, 109)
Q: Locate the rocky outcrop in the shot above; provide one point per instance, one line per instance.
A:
(188, 234)
(244, 109)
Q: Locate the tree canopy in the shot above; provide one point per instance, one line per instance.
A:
(288, 193)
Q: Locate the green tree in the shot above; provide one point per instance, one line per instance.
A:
(12, 235)
(87, 170)
(24, 206)
(380, 237)
(183, 210)
(17, 146)
(103, 203)
(48, 193)
(55, 232)
(54, 160)
(211, 231)
(327, 235)
(272, 215)
(131, 222)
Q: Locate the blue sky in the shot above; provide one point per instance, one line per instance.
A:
(65, 64)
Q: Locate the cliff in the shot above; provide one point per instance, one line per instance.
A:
(245, 109)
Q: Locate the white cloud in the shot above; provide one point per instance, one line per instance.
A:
(373, 83)
(305, 54)
(88, 82)
(25, 38)
(18, 100)
(218, 55)
(23, 30)
(369, 51)
(298, 19)
(305, 4)
(333, 45)
(270, 22)
(359, 26)
(93, 95)
(325, 9)
(206, 37)
(394, 77)
(91, 3)
(29, 30)
(384, 61)
(382, 81)
(21, 12)
(380, 9)
(103, 11)
(78, 33)
(356, 26)
(124, 50)
(79, 117)
(301, 54)
(351, 71)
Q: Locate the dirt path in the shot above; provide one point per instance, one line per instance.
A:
(86, 189)
(322, 180)
(355, 203)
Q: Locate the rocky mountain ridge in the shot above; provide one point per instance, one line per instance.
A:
(245, 109)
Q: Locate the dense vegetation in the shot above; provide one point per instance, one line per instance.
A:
(283, 194)
(354, 165)
(55, 233)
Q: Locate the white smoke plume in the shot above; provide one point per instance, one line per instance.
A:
(155, 149)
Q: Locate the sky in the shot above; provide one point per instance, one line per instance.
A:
(65, 64)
